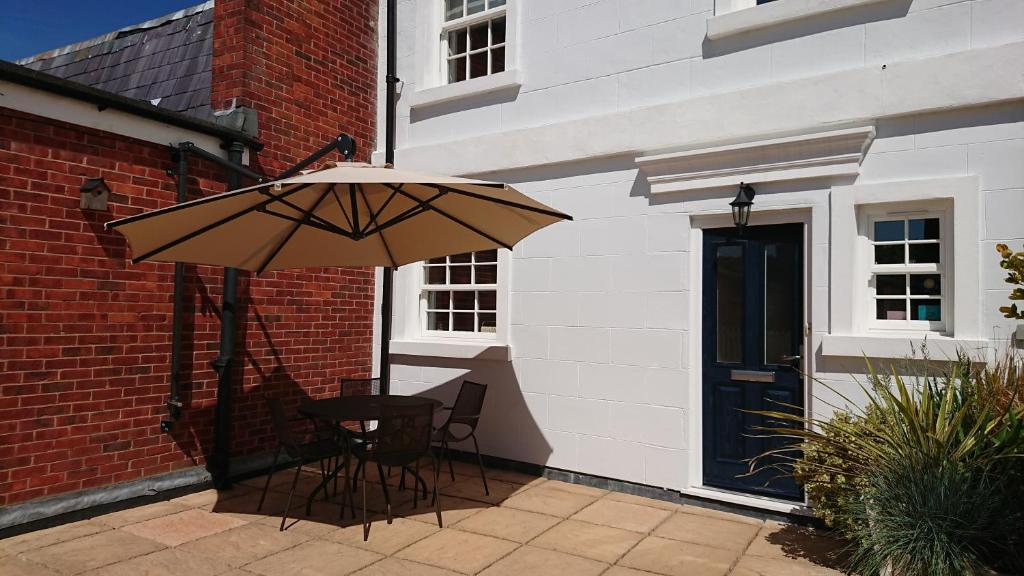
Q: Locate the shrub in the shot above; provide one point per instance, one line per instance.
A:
(925, 479)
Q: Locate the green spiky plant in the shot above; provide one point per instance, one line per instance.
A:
(1013, 263)
(924, 479)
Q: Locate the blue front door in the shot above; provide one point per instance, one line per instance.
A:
(752, 339)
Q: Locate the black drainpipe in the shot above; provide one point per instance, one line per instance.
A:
(174, 402)
(389, 156)
(221, 462)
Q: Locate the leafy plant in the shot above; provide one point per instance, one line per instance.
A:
(926, 478)
(1013, 263)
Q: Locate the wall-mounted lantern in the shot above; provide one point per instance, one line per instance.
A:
(741, 205)
(95, 194)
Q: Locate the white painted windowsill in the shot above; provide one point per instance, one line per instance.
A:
(507, 80)
(452, 348)
(773, 13)
(900, 346)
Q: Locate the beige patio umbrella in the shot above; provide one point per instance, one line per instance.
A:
(346, 214)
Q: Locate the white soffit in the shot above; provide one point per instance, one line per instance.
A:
(817, 155)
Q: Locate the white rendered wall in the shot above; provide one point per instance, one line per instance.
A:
(604, 316)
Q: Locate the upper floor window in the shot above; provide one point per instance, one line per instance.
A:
(907, 272)
(459, 295)
(473, 38)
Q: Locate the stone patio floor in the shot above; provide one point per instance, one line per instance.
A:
(528, 526)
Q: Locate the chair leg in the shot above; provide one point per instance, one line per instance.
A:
(445, 450)
(387, 497)
(416, 489)
(266, 485)
(346, 457)
(288, 504)
(436, 498)
(359, 466)
(480, 463)
(366, 525)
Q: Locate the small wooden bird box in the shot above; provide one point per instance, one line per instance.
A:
(95, 194)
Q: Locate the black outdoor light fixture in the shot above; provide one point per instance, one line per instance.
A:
(741, 205)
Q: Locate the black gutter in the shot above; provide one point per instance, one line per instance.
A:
(174, 402)
(12, 72)
(387, 303)
(222, 424)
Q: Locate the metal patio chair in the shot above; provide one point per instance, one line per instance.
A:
(461, 424)
(403, 438)
(359, 431)
(322, 449)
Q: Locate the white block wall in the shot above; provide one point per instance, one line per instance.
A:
(600, 308)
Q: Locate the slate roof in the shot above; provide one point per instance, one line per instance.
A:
(166, 61)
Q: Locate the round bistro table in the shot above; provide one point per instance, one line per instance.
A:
(355, 408)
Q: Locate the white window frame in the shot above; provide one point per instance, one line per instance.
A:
(905, 213)
(425, 288)
(467, 22)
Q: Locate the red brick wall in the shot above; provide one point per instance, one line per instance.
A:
(85, 335)
(307, 66)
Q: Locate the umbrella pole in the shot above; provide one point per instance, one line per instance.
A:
(386, 306)
(391, 79)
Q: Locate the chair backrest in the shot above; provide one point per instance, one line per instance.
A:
(353, 386)
(403, 433)
(468, 404)
(285, 437)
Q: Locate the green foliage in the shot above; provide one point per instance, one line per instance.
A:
(1013, 263)
(927, 478)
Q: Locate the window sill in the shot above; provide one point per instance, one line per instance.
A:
(507, 80)
(452, 348)
(899, 345)
(774, 13)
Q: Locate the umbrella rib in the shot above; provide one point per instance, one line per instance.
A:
(355, 207)
(342, 208)
(300, 210)
(420, 207)
(328, 227)
(552, 213)
(189, 204)
(459, 222)
(306, 216)
(373, 219)
(374, 216)
(213, 225)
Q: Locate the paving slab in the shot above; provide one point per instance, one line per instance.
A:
(758, 566)
(140, 513)
(453, 511)
(575, 488)
(540, 562)
(473, 489)
(384, 538)
(674, 558)
(623, 515)
(94, 551)
(399, 567)
(508, 523)
(798, 545)
(240, 546)
(20, 566)
(602, 543)
(545, 499)
(49, 536)
(642, 501)
(176, 529)
(166, 562)
(708, 531)
(315, 558)
(462, 552)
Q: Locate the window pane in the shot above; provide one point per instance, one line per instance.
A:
(434, 274)
(478, 36)
(497, 60)
(461, 274)
(437, 321)
(456, 70)
(440, 260)
(457, 42)
(462, 321)
(464, 258)
(780, 298)
(729, 278)
(924, 253)
(930, 310)
(889, 254)
(891, 309)
(487, 274)
(453, 9)
(497, 31)
(464, 300)
(925, 284)
(487, 299)
(488, 323)
(923, 229)
(495, 3)
(439, 300)
(478, 65)
(486, 256)
(891, 284)
(474, 6)
(889, 231)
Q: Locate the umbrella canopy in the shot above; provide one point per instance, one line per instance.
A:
(347, 214)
